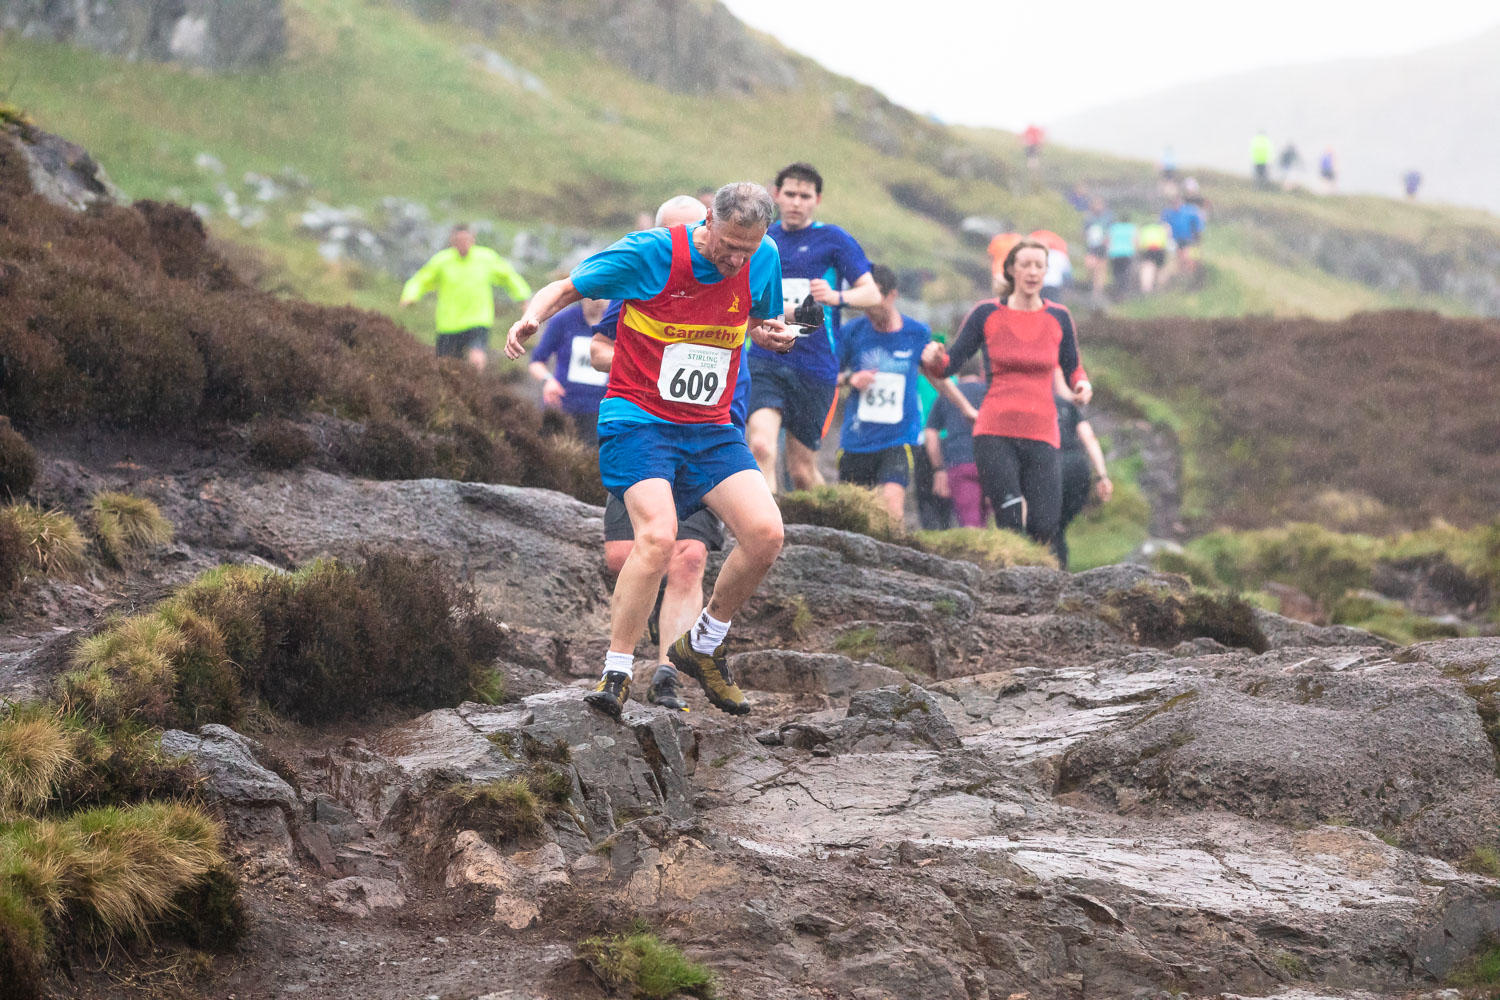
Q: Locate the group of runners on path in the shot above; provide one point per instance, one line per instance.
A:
(687, 351)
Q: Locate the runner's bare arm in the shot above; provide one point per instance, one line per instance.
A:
(772, 334)
(601, 353)
(949, 391)
(544, 305)
(863, 294)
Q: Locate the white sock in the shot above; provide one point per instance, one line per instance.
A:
(708, 633)
(620, 663)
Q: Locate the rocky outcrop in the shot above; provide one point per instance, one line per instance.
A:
(215, 35)
(60, 171)
(688, 46)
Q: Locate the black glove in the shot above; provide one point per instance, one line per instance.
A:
(809, 312)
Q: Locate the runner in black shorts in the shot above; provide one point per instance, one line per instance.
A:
(458, 345)
(876, 468)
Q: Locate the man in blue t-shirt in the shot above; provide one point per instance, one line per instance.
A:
(880, 356)
(698, 534)
(665, 463)
(1186, 223)
(577, 387)
(796, 392)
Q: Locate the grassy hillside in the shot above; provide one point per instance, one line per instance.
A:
(372, 101)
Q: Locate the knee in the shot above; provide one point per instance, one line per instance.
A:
(654, 543)
(762, 446)
(688, 563)
(763, 540)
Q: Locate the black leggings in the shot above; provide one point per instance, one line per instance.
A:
(1077, 477)
(1013, 469)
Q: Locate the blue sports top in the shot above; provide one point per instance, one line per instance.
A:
(637, 266)
(814, 251)
(567, 339)
(888, 413)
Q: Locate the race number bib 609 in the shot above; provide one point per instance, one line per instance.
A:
(580, 371)
(884, 402)
(694, 374)
(793, 291)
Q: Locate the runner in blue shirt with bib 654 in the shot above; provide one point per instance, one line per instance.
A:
(797, 391)
(881, 352)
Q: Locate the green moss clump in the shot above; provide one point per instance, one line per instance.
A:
(646, 966)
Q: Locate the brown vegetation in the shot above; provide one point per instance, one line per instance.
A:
(330, 641)
(129, 317)
(1390, 407)
(18, 461)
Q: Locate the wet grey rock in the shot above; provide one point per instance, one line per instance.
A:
(1283, 632)
(808, 673)
(216, 35)
(496, 64)
(61, 172)
(227, 762)
(891, 717)
(1364, 740)
(361, 897)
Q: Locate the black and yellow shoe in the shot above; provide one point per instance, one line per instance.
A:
(611, 694)
(666, 691)
(711, 673)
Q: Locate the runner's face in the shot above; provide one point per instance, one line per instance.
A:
(796, 200)
(729, 247)
(1028, 270)
(463, 241)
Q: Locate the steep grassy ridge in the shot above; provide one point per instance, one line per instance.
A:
(372, 101)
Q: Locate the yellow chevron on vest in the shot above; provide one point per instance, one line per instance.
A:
(684, 333)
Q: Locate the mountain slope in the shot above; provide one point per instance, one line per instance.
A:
(1431, 110)
(530, 127)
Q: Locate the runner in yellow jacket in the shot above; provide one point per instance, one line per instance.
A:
(462, 276)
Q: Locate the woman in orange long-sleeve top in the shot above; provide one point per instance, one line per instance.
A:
(1024, 338)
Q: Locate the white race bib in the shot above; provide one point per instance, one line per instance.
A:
(884, 402)
(580, 371)
(793, 291)
(695, 374)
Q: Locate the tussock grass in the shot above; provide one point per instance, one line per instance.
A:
(18, 461)
(52, 540)
(328, 641)
(989, 547)
(504, 808)
(126, 525)
(1157, 616)
(1482, 969)
(34, 752)
(843, 506)
(645, 965)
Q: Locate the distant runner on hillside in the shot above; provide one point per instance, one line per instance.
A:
(1260, 158)
(1032, 139)
(1185, 220)
(462, 276)
(796, 391)
(692, 294)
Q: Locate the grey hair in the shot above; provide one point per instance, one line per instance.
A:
(678, 205)
(744, 203)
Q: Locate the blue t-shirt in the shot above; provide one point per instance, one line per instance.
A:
(815, 251)
(637, 267)
(1185, 222)
(739, 406)
(888, 413)
(566, 338)
(957, 429)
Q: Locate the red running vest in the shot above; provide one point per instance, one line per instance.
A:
(677, 356)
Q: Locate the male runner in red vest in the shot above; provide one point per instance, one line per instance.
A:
(692, 295)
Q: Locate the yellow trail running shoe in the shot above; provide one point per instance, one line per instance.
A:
(611, 694)
(711, 673)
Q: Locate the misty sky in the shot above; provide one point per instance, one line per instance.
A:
(1008, 64)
